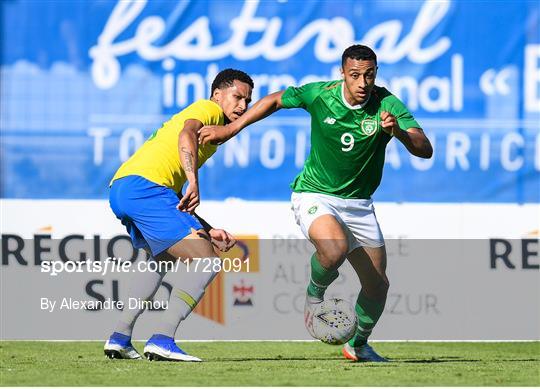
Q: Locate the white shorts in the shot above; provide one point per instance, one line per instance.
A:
(356, 216)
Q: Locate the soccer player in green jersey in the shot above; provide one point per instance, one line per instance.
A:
(352, 121)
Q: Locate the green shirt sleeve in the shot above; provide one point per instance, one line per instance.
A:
(301, 97)
(399, 110)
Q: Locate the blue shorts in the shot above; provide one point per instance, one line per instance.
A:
(148, 211)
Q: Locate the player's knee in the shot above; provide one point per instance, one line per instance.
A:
(332, 254)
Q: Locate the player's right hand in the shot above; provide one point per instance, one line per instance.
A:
(222, 239)
(190, 200)
(389, 123)
(214, 134)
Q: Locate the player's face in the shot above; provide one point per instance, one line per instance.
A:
(233, 100)
(359, 76)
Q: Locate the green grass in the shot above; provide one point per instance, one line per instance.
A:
(274, 364)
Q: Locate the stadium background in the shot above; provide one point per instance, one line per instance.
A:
(84, 83)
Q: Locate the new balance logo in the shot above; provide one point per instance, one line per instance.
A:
(329, 120)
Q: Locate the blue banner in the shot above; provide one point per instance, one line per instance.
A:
(84, 83)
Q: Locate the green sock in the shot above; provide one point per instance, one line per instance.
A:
(368, 312)
(320, 279)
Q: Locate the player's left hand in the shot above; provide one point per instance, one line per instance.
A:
(215, 135)
(222, 239)
(190, 200)
(389, 124)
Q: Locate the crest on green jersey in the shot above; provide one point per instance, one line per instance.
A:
(312, 210)
(369, 126)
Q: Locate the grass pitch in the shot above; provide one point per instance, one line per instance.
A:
(274, 364)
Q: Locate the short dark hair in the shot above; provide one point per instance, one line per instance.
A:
(359, 52)
(225, 79)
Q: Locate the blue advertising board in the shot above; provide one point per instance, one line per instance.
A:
(84, 83)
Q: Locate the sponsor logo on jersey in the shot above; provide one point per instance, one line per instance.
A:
(329, 120)
(369, 126)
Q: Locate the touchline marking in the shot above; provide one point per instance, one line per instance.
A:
(288, 340)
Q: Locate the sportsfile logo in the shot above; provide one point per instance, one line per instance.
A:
(77, 256)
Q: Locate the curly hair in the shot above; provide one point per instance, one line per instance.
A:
(226, 78)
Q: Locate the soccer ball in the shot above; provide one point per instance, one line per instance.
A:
(334, 321)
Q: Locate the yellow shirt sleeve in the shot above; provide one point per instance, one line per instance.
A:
(158, 161)
(205, 111)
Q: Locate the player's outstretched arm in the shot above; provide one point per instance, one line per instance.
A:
(261, 109)
(413, 139)
(188, 151)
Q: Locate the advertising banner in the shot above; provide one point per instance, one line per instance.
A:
(441, 290)
(466, 278)
(86, 82)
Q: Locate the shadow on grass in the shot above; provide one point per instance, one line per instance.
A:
(279, 358)
(457, 360)
(437, 360)
(252, 359)
(340, 358)
(450, 359)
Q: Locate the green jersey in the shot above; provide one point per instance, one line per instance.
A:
(347, 142)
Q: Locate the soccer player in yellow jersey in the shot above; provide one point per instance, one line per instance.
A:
(146, 196)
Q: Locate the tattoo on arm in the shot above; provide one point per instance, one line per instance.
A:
(188, 160)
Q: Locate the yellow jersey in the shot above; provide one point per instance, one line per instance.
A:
(158, 159)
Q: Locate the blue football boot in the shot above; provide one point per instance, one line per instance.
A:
(163, 348)
(119, 347)
(362, 353)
